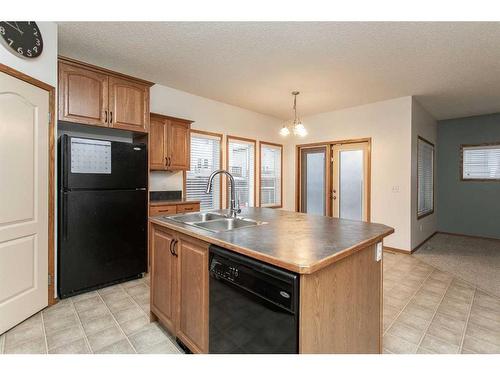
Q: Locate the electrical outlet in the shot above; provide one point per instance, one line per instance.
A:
(378, 252)
(395, 189)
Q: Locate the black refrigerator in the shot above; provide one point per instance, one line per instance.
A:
(102, 213)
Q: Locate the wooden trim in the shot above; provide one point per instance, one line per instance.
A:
(424, 241)
(166, 117)
(396, 250)
(248, 140)
(470, 236)
(51, 160)
(99, 69)
(212, 134)
(421, 216)
(328, 174)
(461, 167)
(261, 143)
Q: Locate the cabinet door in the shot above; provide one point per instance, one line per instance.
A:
(178, 147)
(163, 289)
(157, 144)
(192, 268)
(83, 95)
(128, 105)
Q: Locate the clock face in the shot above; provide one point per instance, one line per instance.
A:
(22, 38)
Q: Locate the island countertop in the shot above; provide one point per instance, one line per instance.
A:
(297, 242)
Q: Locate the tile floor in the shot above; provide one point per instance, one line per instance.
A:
(430, 311)
(425, 311)
(111, 320)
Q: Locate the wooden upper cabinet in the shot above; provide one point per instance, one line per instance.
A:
(170, 142)
(128, 105)
(192, 271)
(96, 96)
(163, 277)
(179, 141)
(83, 95)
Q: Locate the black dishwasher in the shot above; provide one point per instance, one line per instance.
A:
(253, 306)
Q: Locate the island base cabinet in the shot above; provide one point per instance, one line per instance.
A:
(341, 306)
(179, 286)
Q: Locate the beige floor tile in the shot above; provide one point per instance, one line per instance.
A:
(454, 308)
(441, 276)
(427, 301)
(76, 347)
(31, 321)
(481, 320)
(114, 296)
(120, 347)
(435, 345)
(54, 325)
(2, 341)
(98, 324)
(89, 303)
(36, 346)
(84, 296)
(443, 333)
(133, 283)
(480, 346)
(110, 289)
(486, 312)
(420, 311)
(64, 336)
(138, 290)
(128, 314)
(455, 325)
(485, 300)
(413, 321)
(398, 345)
(485, 334)
(147, 337)
(405, 332)
(58, 311)
(22, 334)
(466, 351)
(134, 325)
(121, 304)
(421, 350)
(163, 347)
(93, 313)
(100, 340)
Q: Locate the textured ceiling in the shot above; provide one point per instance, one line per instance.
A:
(452, 68)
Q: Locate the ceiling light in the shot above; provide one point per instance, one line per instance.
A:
(296, 127)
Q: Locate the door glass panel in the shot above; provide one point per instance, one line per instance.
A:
(351, 184)
(313, 181)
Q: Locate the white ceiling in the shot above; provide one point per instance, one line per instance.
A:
(452, 68)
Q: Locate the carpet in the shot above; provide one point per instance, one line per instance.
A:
(474, 260)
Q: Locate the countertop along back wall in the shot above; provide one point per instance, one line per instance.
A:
(471, 207)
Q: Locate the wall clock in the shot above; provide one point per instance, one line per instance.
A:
(22, 38)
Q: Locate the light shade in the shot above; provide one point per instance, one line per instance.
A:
(284, 131)
(300, 130)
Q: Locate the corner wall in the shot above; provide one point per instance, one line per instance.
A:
(467, 207)
(425, 126)
(388, 124)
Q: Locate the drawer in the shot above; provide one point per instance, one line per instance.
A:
(193, 207)
(162, 210)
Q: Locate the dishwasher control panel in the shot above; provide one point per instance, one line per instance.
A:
(224, 270)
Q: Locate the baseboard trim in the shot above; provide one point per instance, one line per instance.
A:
(470, 236)
(396, 250)
(424, 241)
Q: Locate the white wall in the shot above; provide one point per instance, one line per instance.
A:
(388, 124)
(424, 125)
(44, 67)
(209, 115)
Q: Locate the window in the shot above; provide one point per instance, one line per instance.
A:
(425, 179)
(270, 174)
(241, 164)
(205, 158)
(481, 162)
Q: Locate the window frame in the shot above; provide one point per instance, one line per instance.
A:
(427, 213)
(263, 143)
(230, 138)
(221, 139)
(461, 169)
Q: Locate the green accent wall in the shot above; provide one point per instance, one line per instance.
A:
(471, 208)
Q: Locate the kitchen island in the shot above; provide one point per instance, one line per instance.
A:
(340, 276)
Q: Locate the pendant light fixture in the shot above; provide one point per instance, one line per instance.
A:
(296, 127)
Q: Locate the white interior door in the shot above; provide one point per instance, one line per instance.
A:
(24, 172)
(350, 181)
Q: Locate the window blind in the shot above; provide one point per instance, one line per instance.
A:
(241, 164)
(205, 158)
(481, 162)
(425, 166)
(270, 175)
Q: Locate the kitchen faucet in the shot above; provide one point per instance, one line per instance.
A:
(235, 207)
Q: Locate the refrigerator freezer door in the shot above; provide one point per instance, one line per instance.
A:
(95, 165)
(102, 238)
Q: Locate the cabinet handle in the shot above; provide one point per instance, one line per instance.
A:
(106, 117)
(166, 161)
(110, 117)
(173, 248)
(171, 243)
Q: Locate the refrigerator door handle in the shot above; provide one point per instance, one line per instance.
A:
(65, 216)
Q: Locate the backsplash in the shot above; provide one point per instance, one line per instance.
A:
(168, 195)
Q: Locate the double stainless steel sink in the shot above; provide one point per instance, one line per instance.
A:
(214, 222)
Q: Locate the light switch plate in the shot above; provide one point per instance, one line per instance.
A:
(378, 252)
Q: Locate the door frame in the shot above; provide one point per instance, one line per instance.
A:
(329, 170)
(51, 224)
